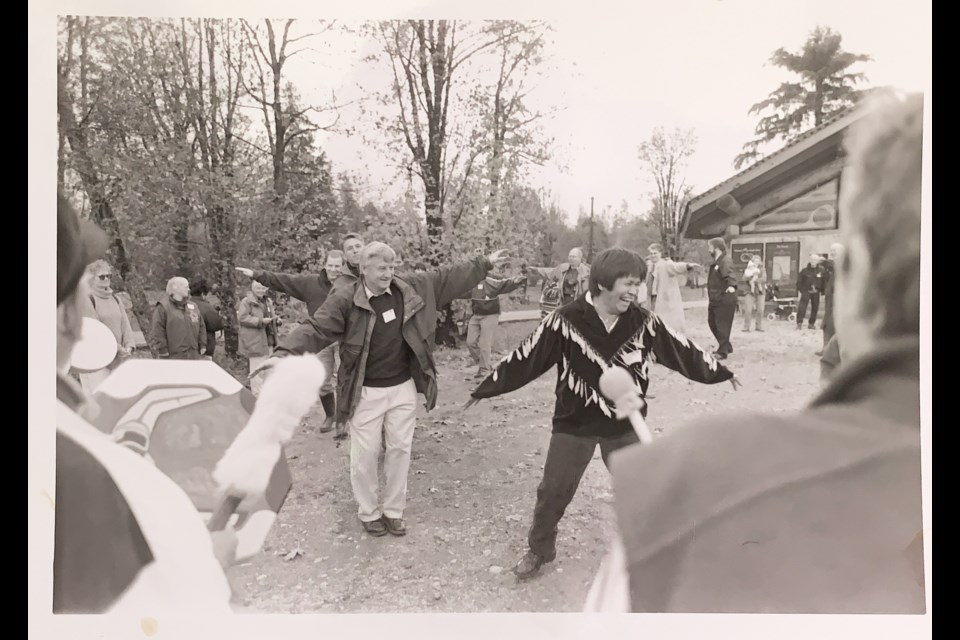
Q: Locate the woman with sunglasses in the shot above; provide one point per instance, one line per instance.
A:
(106, 307)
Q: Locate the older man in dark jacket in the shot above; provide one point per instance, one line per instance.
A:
(386, 328)
(818, 512)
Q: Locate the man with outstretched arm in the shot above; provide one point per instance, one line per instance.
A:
(385, 326)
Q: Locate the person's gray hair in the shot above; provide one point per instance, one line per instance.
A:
(377, 249)
(98, 266)
(174, 281)
(882, 202)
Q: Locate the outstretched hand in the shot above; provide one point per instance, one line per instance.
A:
(497, 257)
(735, 382)
(245, 271)
(267, 364)
(470, 402)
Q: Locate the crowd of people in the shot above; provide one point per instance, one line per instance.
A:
(818, 512)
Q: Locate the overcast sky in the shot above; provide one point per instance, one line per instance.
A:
(615, 75)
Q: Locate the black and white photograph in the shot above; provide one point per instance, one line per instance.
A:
(453, 309)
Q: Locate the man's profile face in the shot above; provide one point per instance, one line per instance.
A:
(180, 289)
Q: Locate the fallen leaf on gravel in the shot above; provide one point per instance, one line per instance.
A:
(293, 555)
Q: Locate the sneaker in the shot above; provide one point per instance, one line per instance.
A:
(529, 565)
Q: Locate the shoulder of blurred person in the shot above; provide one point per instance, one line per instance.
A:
(813, 513)
(818, 511)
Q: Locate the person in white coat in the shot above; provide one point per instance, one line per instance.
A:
(663, 287)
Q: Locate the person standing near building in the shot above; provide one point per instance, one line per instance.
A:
(722, 292)
(258, 330)
(754, 299)
(106, 307)
(830, 276)
(809, 287)
(178, 331)
(663, 287)
(485, 305)
(312, 290)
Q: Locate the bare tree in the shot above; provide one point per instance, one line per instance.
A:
(664, 156)
(426, 57)
(283, 124)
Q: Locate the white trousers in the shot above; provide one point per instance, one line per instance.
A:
(390, 412)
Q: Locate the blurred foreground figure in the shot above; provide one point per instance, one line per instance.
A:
(819, 512)
(127, 539)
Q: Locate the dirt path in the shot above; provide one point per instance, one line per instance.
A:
(472, 487)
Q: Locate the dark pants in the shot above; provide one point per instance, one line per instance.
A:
(720, 314)
(828, 329)
(814, 300)
(567, 459)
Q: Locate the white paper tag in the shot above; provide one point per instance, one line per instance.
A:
(480, 286)
(389, 315)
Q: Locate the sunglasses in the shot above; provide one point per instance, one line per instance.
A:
(103, 276)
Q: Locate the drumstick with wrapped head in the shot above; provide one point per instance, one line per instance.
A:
(618, 386)
(246, 467)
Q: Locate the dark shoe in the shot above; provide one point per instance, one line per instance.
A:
(396, 526)
(529, 565)
(342, 432)
(327, 426)
(720, 356)
(759, 329)
(819, 354)
(375, 528)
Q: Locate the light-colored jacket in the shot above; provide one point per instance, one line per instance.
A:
(664, 283)
(755, 278)
(255, 334)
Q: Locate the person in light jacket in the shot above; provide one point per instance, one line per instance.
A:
(755, 286)
(663, 287)
(258, 330)
(107, 308)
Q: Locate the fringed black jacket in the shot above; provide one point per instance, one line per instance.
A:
(574, 339)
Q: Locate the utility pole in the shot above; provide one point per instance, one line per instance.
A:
(590, 246)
